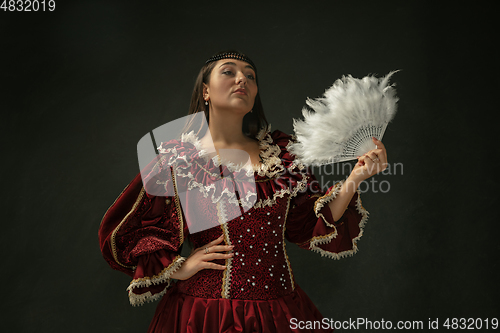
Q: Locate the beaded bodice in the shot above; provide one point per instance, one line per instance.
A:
(259, 268)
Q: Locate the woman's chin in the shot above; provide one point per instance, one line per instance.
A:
(235, 109)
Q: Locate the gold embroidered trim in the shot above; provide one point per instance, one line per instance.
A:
(264, 180)
(141, 299)
(301, 185)
(321, 202)
(328, 237)
(315, 241)
(263, 131)
(162, 277)
(113, 235)
(226, 277)
(178, 208)
(284, 247)
(295, 164)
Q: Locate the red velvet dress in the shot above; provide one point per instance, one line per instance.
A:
(142, 235)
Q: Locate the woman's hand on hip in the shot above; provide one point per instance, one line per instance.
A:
(201, 258)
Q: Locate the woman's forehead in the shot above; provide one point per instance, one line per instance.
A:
(233, 62)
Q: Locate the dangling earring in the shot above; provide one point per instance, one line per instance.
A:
(251, 110)
(206, 103)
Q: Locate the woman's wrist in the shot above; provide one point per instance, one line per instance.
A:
(178, 273)
(343, 197)
(352, 182)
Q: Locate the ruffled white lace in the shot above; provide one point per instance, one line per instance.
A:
(271, 168)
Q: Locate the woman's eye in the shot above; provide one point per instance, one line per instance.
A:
(251, 77)
(227, 72)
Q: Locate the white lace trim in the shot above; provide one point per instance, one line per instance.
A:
(270, 153)
(136, 299)
(162, 277)
(301, 186)
(321, 202)
(295, 164)
(271, 168)
(314, 244)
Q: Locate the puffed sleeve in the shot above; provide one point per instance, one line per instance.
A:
(309, 222)
(141, 234)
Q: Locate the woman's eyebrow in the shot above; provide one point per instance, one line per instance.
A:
(232, 63)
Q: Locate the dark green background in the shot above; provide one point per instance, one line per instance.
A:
(81, 86)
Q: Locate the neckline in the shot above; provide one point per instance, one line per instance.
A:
(217, 159)
(269, 152)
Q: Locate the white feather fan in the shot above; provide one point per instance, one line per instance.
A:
(344, 120)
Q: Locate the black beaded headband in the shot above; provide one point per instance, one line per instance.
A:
(231, 55)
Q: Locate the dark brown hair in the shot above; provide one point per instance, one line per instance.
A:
(252, 122)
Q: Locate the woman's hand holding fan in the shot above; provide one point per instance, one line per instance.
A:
(371, 163)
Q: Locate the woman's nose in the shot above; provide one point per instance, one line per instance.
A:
(241, 78)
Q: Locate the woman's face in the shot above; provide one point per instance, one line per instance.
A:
(232, 86)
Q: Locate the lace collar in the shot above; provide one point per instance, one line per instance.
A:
(268, 151)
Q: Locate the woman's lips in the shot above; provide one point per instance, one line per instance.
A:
(240, 91)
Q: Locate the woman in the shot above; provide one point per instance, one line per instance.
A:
(238, 277)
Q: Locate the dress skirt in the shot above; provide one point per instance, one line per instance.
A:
(178, 312)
